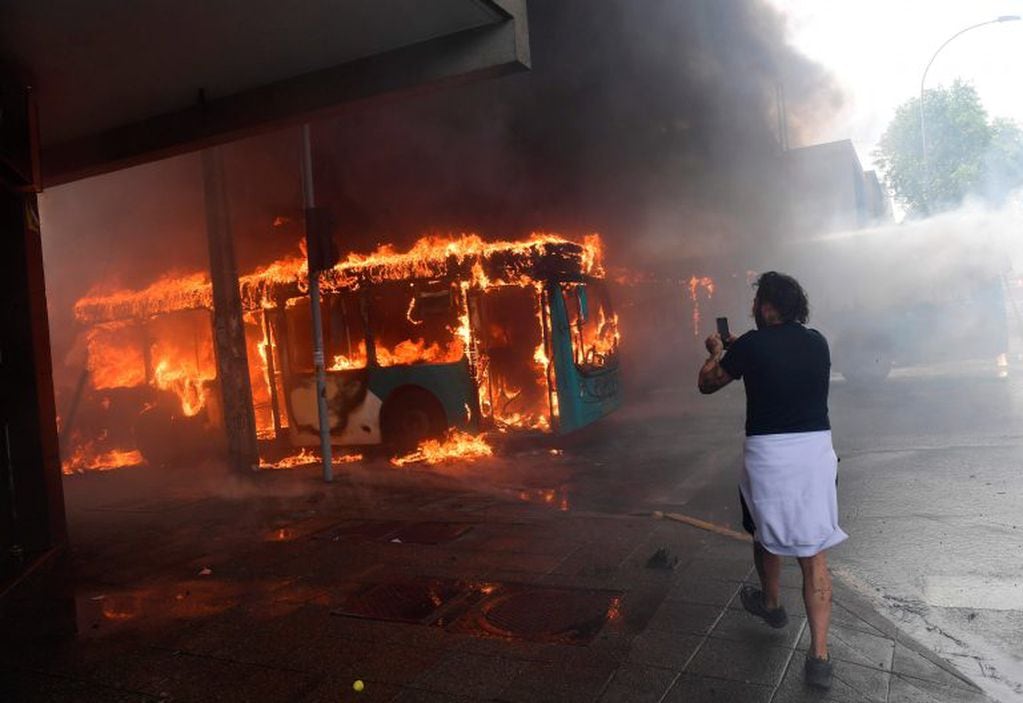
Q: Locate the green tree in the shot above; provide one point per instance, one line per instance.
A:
(966, 153)
(1004, 163)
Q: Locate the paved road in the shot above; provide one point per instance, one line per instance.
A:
(930, 493)
(249, 573)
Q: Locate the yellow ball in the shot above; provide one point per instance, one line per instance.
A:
(358, 685)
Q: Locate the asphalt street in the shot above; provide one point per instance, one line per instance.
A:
(929, 493)
(183, 570)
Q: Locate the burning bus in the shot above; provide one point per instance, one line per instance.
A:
(454, 334)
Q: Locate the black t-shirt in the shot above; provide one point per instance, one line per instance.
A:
(786, 369)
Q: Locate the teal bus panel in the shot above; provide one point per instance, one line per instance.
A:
(584, 396)
(451, 384)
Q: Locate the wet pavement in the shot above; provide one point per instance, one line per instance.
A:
(929, 491)
(526, 577)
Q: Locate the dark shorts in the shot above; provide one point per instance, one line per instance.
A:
(747, 519)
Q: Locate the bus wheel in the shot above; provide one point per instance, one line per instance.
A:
(154, 436)
(410, 416)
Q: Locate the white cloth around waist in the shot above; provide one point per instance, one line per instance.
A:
(788, 482)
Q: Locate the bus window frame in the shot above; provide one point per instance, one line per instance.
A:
(292, 326)
(604, 299)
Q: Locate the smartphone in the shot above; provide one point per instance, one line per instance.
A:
(723, 331)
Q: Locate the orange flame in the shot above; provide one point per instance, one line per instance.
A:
(121, 357)
(178, 371)
(258, 339)
(456, 446)
(551, 497)
(115, 356)
(305, 457)
(706, 283)
(167, 294)
(87, 458)
(430, 257)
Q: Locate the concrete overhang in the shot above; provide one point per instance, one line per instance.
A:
(121, 83)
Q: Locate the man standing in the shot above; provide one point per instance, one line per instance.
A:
(787, 488)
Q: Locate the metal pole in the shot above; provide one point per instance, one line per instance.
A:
(227, 320)
(923, 79)
(271, 374)
(309, 201)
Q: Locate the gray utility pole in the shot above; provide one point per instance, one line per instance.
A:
(228, 325)
(311, 221)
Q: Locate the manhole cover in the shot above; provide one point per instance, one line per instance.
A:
(359, 529)
(406, 601)
(549, 614)
(430, 532)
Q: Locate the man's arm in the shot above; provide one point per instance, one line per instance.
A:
(712, 377)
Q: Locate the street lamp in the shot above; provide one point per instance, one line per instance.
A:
(923, 133)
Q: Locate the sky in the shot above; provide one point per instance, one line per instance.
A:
(877, 51)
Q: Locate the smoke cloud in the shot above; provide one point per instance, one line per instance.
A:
(653, 123)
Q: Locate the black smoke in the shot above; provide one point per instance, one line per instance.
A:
(651, 122)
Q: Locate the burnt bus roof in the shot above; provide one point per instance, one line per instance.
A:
(514, 265)
(502, 264)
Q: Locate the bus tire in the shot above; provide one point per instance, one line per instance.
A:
(154, 436)
(410, 416)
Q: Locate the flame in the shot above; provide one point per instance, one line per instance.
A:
(601, 340)
(629, 277)
(551, 497)
(119, 610)
(185, 380)
(356, 361)
(259, 339)
(457, 445)
(167, 294)
(121, 355)
(706, 283)
(614, 609)
(411, 308)
(115, 357)
(430, 257)
(595, 336)
(407, 352)
(305, 457)
(542, 360)
(593, 255)
(416, 352)
(87, 458)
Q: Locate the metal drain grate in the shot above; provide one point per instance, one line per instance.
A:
(405, 601)
(358, 530)
(548, 614)
(430, 532)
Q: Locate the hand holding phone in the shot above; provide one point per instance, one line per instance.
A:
(726, 336)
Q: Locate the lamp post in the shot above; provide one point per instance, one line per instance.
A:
(923, 79)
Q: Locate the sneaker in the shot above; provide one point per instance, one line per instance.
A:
(818, 672)
(753, 602)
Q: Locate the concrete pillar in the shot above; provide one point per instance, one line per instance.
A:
(31, 494)
(228, 325)
(33, 532)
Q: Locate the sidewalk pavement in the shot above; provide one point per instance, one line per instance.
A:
(283, 589)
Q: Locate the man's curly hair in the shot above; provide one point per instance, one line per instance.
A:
(785, 294)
